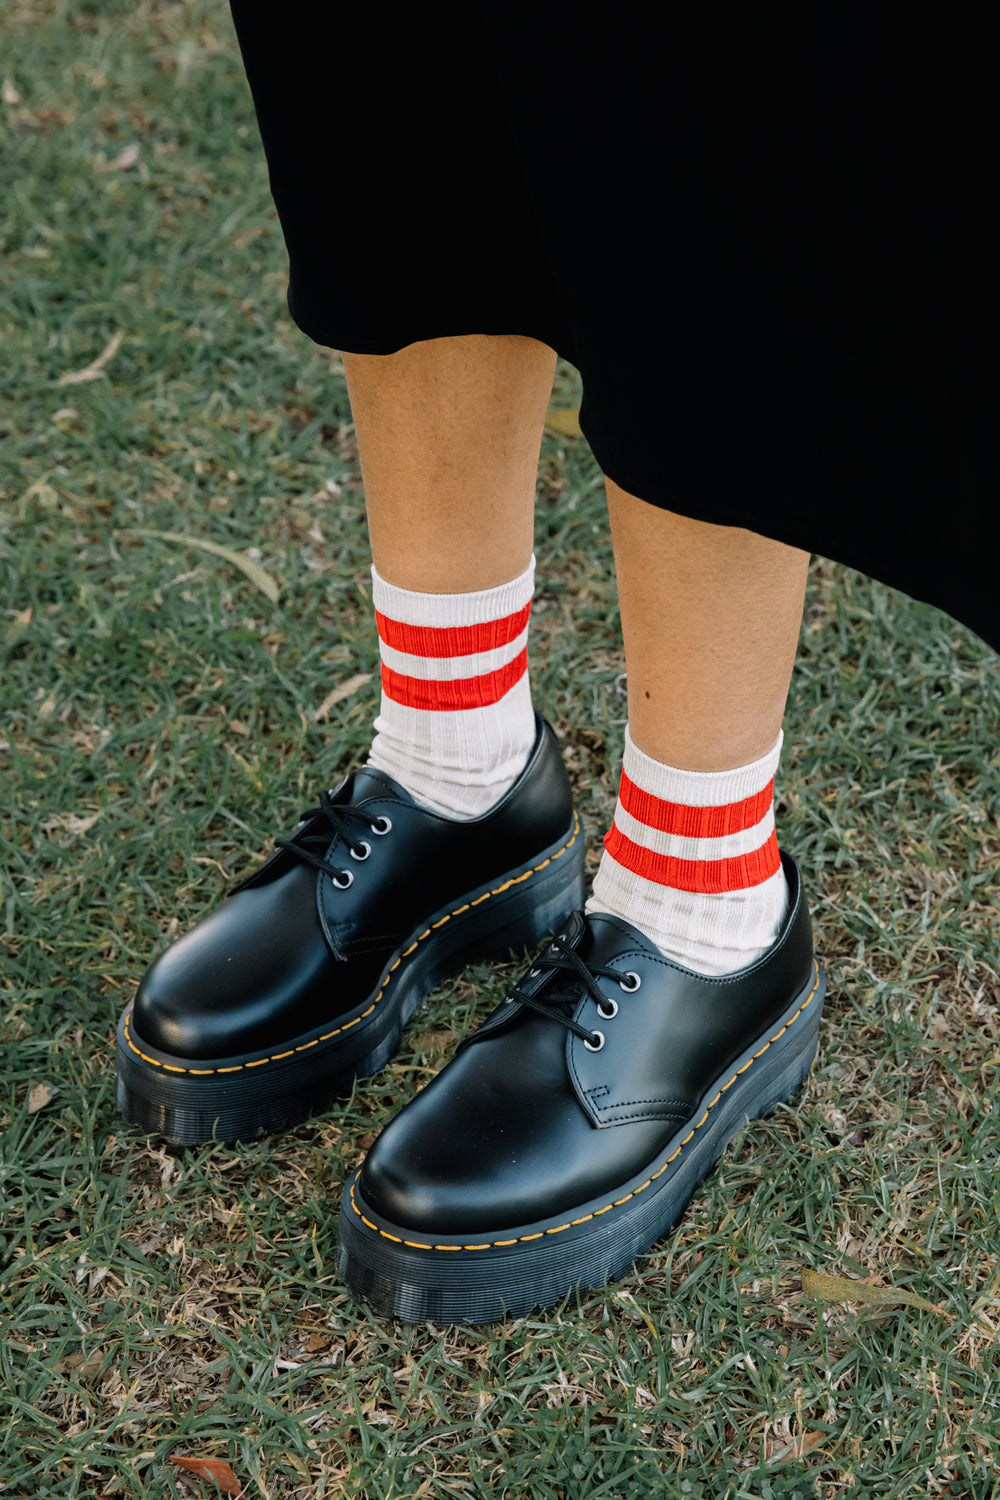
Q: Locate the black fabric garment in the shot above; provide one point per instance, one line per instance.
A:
(761, 236)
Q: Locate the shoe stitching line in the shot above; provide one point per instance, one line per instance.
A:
(327, 1036)
(558, 1228)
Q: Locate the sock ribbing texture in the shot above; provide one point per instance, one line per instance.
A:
(692, 860)
(456, 723)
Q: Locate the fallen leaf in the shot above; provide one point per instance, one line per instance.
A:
(798, 1448)
(41, 1094)
(85, 1366)
(564, 419)
(127, 157)
(214, 1468)
(254, 572)
(70, 823)
(95, 370)
(42, 491)
(345, 690)
(843, 1289)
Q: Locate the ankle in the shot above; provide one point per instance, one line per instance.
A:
(692, 861)
(456, 723)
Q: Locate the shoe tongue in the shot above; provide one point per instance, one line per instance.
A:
(363, 785)
(598, 940)
(608, 937)
(564, 989)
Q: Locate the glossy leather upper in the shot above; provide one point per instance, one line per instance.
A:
(527, 1122)
(290, 949)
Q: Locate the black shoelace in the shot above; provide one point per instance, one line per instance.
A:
(561, 958)
(313, 846)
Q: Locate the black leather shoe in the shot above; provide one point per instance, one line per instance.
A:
(303, 979)
(569, 1132)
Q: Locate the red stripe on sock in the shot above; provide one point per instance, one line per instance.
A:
(451, 640)
(693, 822)
(706, 876)
(464, 692)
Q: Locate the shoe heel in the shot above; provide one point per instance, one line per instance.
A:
(522, 917)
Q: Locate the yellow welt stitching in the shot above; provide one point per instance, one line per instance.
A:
(417, 1245)
(524, 1238)
(328, 1036)
(395, 1237)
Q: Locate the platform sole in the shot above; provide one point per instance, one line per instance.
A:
(187, 1100)
(448, 1279)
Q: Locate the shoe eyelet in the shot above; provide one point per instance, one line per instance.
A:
(608, 1009)
(594, 1046)
(381, 826)
(348, 880)
(630, 989)
(362, 857)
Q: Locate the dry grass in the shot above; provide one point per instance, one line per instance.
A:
(159, 724)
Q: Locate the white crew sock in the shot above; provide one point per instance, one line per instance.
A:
(692, 861)
(456, 723)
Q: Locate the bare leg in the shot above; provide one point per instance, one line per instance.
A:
(449, 432)
(711, 618)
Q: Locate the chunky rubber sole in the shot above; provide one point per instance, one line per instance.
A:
(446, 1279)
(187, 1100)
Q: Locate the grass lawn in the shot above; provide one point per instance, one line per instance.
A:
(162, 718)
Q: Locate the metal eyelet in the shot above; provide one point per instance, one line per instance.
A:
(608, 1009)
(630, 989)
(348, 880)
(362, 857)
(382, 825)
(594, 1046)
